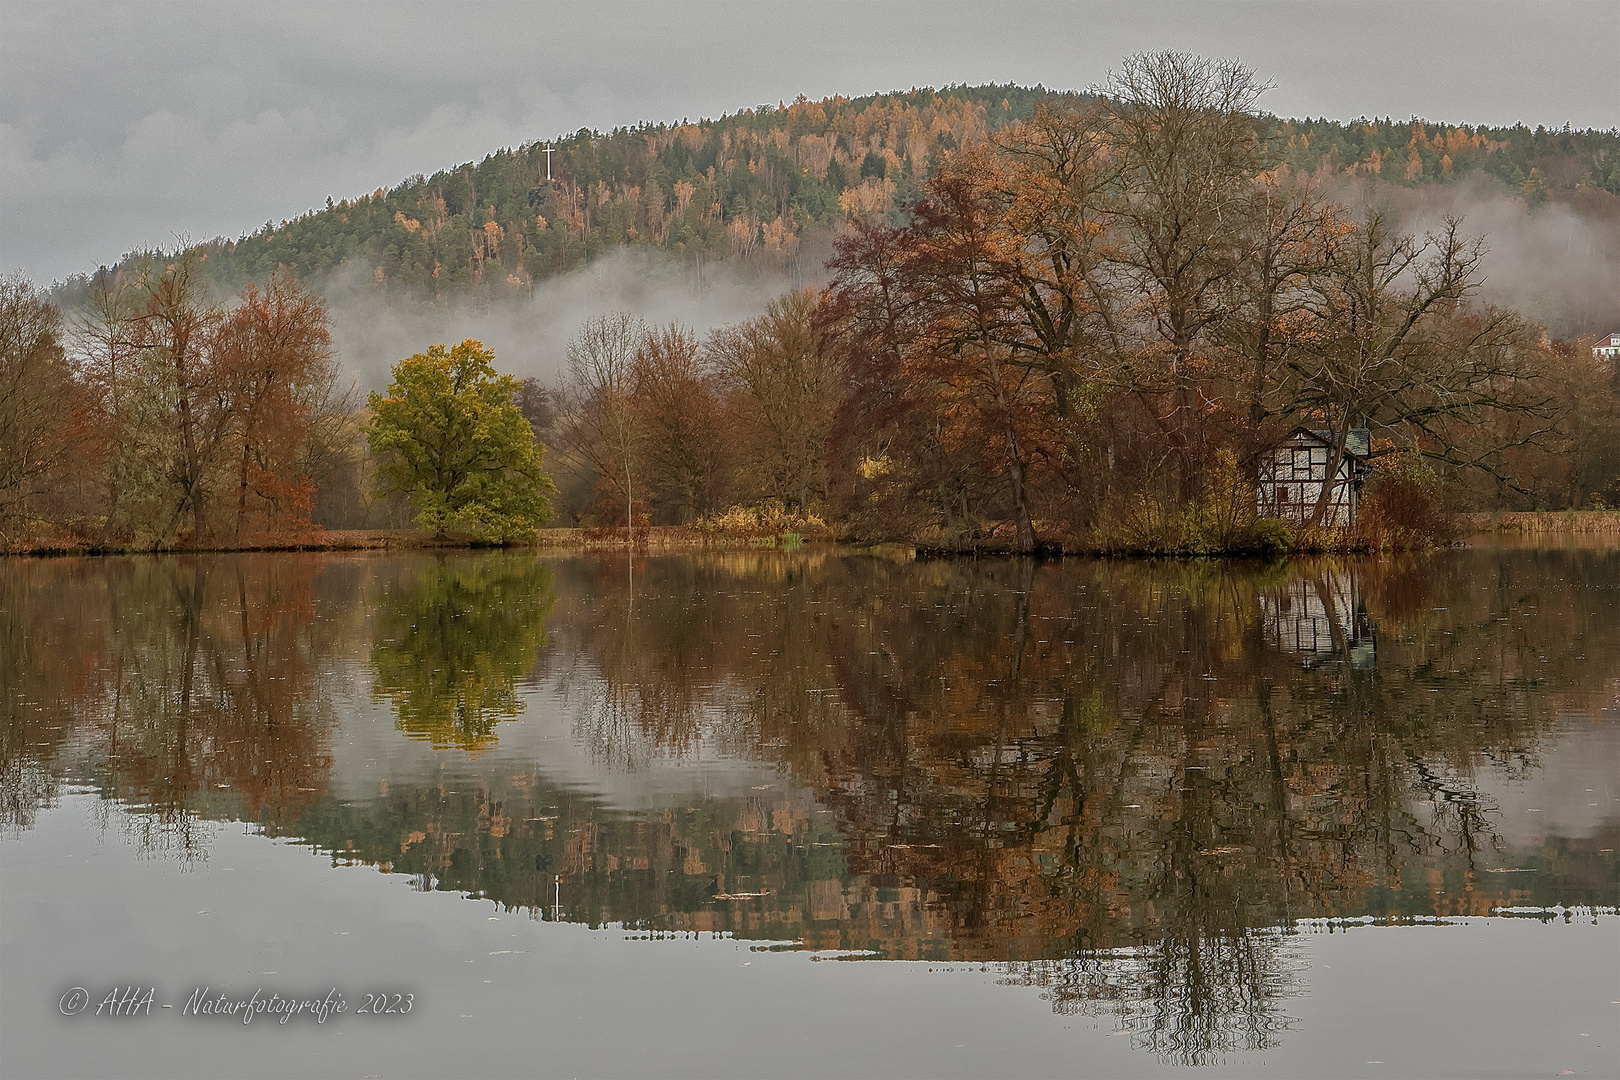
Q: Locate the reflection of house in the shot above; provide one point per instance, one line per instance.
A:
(1607, 348)
(1292, 473)
(1321, 617)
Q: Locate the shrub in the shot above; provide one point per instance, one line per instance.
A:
(1223, 522)
(1270, 536)
(1403, 505)
(766, 521)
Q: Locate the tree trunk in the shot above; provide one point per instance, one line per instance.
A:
(1020, 493)
(188, 436)
(1330, 480)
(241, 491)
(1015, 462)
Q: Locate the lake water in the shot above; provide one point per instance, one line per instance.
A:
(811, 813)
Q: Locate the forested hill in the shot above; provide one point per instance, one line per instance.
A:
(755, 182)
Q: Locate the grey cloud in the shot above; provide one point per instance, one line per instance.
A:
(122, 125)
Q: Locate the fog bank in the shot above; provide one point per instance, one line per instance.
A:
(530, 337)
(1558, 263)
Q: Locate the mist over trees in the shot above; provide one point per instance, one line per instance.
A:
(1050, 321)
(1088, 325)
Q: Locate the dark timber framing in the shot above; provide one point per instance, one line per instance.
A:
(1291, 474)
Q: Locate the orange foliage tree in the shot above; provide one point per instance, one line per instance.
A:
(274, 360)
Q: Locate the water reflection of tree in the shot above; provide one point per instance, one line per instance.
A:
(1188, 1001)
(1111, 778)
(1069, 760)
(673, 669)
(182, 688)
(453, 644)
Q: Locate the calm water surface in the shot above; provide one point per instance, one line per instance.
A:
(804, 813)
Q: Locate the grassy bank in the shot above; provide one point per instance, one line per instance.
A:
(669, 538)
(1545, 521)
(672, 538)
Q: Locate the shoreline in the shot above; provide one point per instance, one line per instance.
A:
(1547, 523)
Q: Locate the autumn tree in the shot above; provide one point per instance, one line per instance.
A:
(1284, 238)
(596, 412)
(173, 326)
(1578, 463)
(682, 422)
(273, 352)
(106, 356)
(37, 397)
(449, 435)
(865, 317)
(1395, 345)
(158, 420)
(1189, 148)
(538, 404)
(965, 358)
(783, 388)
(1054, 182)
(185, 400)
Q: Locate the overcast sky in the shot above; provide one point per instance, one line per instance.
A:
(127, 125)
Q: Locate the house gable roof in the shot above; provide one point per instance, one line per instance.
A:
(1357, 443)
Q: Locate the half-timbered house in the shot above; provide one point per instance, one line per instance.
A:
(1290, 477)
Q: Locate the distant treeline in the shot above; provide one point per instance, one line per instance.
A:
(754, 182)
(1080, 330)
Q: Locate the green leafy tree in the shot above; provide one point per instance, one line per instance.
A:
(450, 435)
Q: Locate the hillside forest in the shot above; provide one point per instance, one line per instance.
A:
(1045, 321)
(771, 180)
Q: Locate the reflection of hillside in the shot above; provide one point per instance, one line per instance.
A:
(1049, 765)
(1125, 780)
(1074, 743)
(1116, 778)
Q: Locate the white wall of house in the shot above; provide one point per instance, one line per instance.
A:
(1291, 476)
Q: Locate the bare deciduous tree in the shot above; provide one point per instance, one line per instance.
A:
(785, 390)
(1395, 346)
(596, 411)
(682, 423)
(1189, 148)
